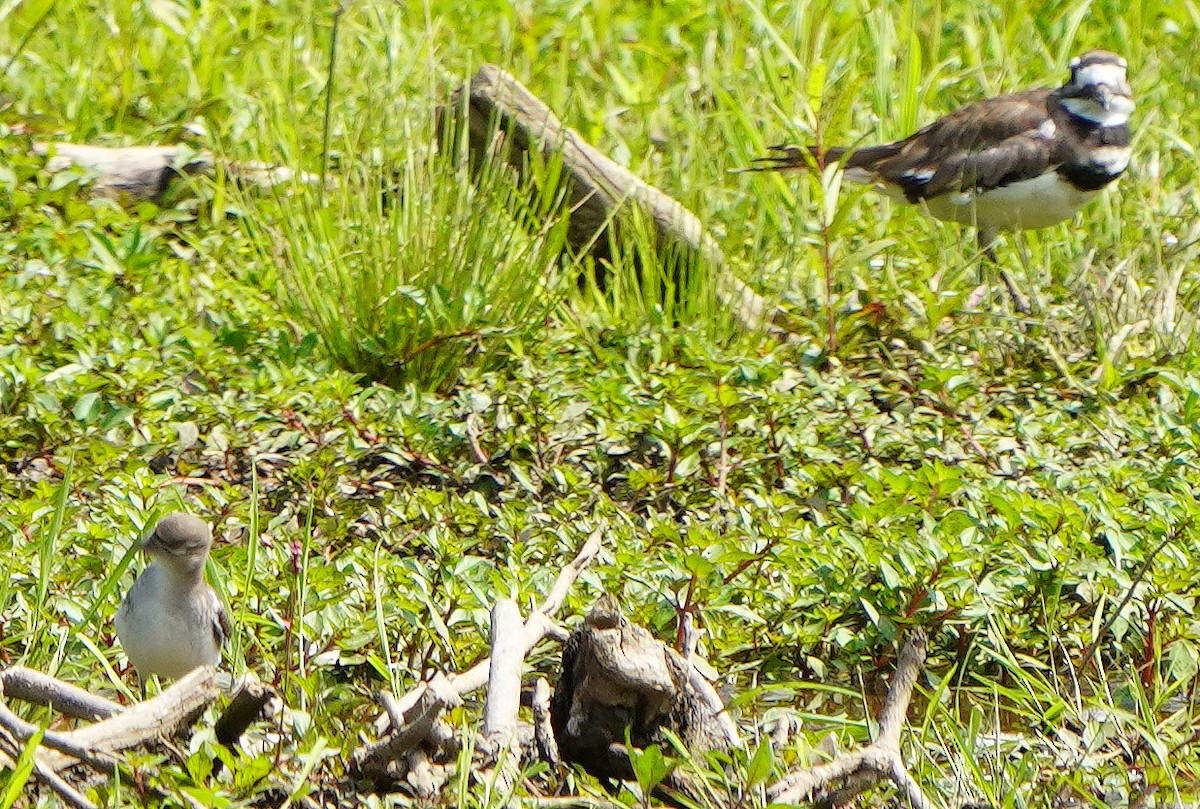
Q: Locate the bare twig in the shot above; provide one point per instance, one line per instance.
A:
(157, 718)
(393, 715)
(543, 733)
(504, 673)
(539, 625)
(374, 761)
(858, 771)
(10, 751)
(23, 731)
(421, 707)
(246, 707)
(28, 685)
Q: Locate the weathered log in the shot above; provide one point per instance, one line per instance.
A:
(144, 722)
(848, 775)
(136, 172)
(32, 686)
(617, 678)
(132, 173)
(383, 763)
(247, 705)
(604, 197)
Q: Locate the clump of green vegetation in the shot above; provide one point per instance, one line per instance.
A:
(405, 275)
(394, 403)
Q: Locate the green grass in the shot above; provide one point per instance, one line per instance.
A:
(996, 480)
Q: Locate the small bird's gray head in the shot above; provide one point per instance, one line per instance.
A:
(1098, 90)
(179, 537)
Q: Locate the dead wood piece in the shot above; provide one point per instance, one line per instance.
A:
(139, 172)
(393, 712)
(539, 624)
(10, 751)
(144, 172)
(603, 196)
(246, 707)
(157, 718)
(617, 677)
(374, 762)
(547, 748)
(28, 685)
(504, 694)
(504, 673)
(849, 774)
(22, 731)
(379, 765)
(420, 775)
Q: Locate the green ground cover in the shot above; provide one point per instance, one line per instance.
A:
(393, 413)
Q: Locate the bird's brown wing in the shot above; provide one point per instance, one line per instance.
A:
(984, 145)
(988, 144)
(222, 626)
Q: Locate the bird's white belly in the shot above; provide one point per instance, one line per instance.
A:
(163, 635)
(1035, 203)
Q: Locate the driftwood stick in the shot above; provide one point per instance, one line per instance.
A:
(245, 708)
(64, 790)
(374, 761)
(140, 172)
(393, 713)
(860, 770)
(504, 692)
(160, 717)
(23, 731)
(145, 172)
(504, 673)
(32, 686)
(566, 578)
(443, 740)
(895, 704)
(10, 751)
(543, 733)
(420, 774)
(428, 699)
(602, 194)
(539, 625)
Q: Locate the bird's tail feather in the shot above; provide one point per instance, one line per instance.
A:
(788, 158)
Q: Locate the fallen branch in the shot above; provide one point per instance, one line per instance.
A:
(850, 774)
(145, 172)
(22, 731)
(32, 686)
(618, 682)
(414, 717)
(145, 722)
(245, 708)
(539, 624)
(604, 197)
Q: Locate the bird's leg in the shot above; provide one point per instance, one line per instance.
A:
(987, 241)
(142, 685)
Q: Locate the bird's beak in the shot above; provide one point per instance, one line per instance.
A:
(1104, 95)
(151, 541)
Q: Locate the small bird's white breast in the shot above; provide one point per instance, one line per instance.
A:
(1035, 203)
(166, 630)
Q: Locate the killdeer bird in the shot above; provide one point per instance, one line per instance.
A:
(171, 620)
(1019, 161)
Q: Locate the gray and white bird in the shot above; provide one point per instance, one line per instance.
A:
(171, 621)
(1020, 161)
